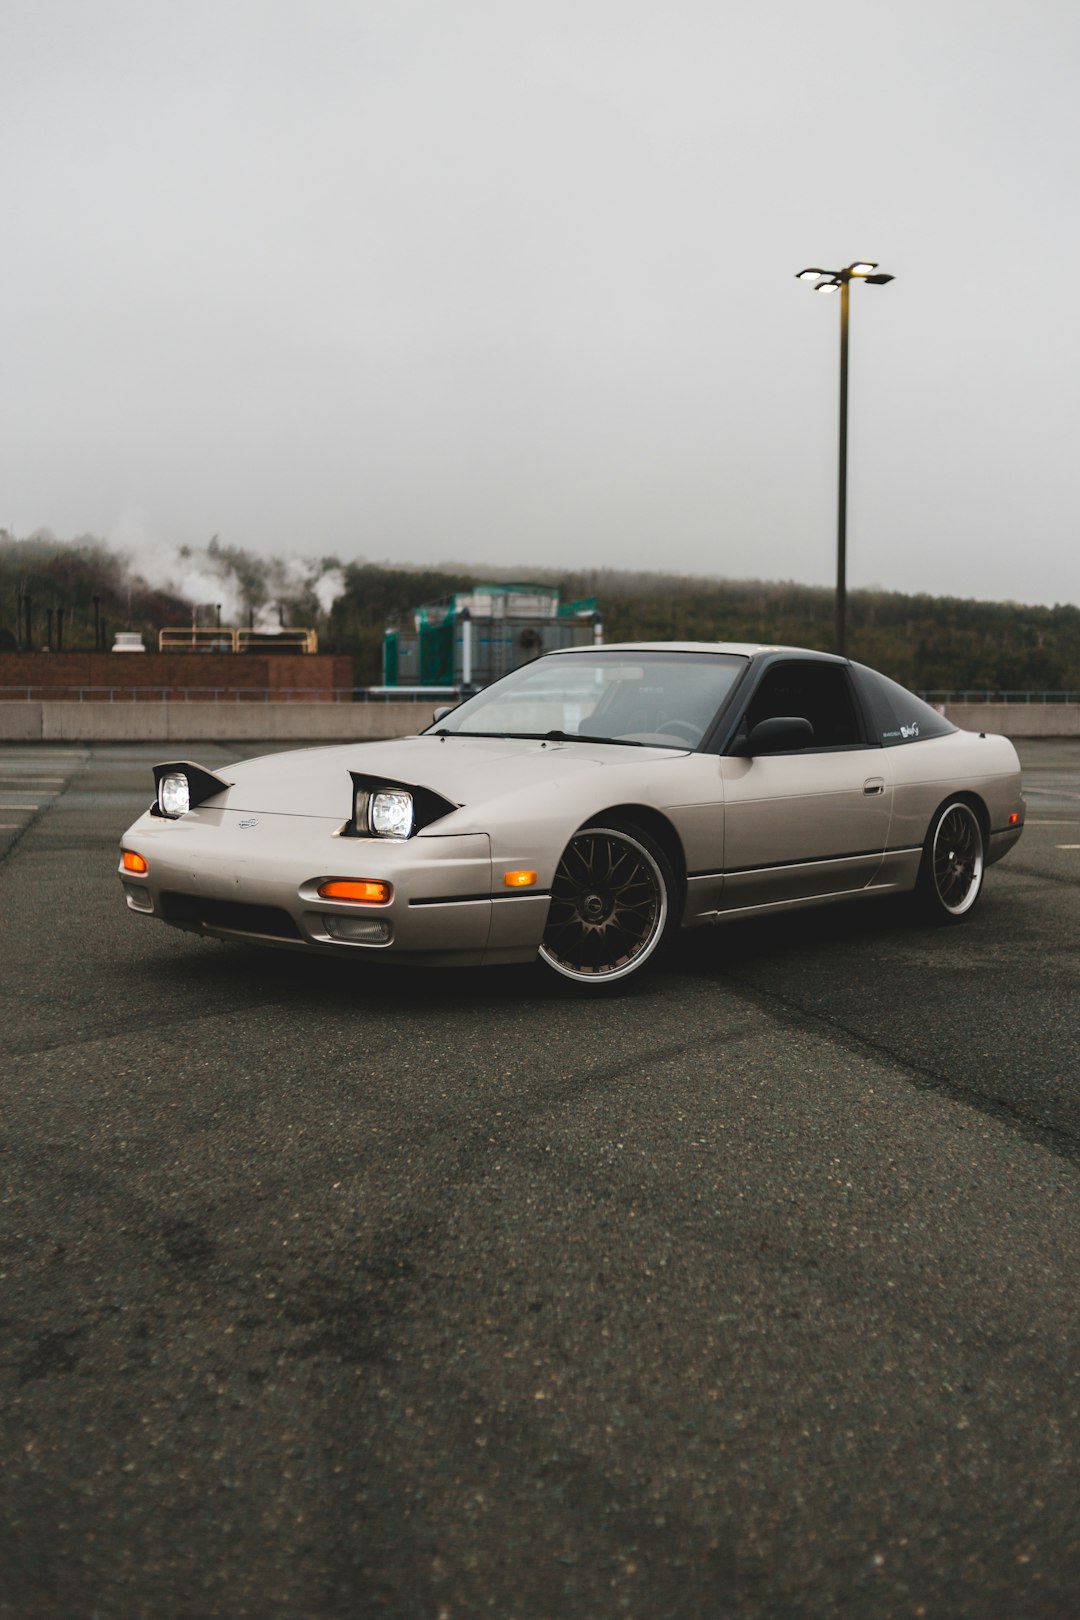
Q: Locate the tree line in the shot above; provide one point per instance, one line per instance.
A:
(928, 643)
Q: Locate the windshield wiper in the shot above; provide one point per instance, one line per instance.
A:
(618, 742)
(566, 736)
(558, 736)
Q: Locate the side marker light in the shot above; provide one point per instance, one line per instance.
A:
(519, 880)
(1014, 819)
(134, 863)
(365, 891)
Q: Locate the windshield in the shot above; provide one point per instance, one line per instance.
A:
(651, 699)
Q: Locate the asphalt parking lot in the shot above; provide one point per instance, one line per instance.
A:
(343, 1293)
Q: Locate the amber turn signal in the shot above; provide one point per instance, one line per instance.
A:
(519, 880)
(134, 863)
(366, 891)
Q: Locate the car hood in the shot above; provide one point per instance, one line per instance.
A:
(465, 770)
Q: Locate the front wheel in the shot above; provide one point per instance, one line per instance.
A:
(953, 864)
(612, 905)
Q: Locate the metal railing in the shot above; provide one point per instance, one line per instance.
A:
(225, 639)
(222, 694)
(33, 692)
(981, 695)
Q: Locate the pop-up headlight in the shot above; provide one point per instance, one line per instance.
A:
(390, 813)
(174, 794)
(182, 786)
(383, 809)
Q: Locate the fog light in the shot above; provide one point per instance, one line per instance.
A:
(358, 930)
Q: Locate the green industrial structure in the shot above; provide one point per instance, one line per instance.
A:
(477, 635)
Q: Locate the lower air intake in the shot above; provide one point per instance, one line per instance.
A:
(192, 911)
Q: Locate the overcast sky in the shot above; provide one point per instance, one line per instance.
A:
(511, 283)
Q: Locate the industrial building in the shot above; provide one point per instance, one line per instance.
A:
(477, 635)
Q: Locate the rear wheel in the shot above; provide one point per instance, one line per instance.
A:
(612, 905)
(953, 864)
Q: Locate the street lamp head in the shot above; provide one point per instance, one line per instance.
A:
(830, 280)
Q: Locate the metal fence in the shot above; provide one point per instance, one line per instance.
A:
(34, 693)
(223, 694)
(982, 696)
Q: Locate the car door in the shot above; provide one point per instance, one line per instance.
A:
(810, 822)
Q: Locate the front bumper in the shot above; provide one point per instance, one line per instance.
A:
(236, 876)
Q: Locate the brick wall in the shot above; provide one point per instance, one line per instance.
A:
(180, 677)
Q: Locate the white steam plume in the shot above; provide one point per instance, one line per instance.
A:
(296, 589)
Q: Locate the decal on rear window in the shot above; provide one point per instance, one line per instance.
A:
(891, 707)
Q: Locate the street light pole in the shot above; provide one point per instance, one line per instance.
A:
(841, 498)
(829, 281)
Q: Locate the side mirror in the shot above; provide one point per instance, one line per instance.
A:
(442, 711)
(782, 734)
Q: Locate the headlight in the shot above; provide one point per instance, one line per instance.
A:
(174, 795)
(390, 813)
(389, 809)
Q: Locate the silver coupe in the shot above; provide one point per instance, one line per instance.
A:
(583, 809)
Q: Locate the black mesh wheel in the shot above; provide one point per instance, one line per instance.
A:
(611, 904)
(950, 880)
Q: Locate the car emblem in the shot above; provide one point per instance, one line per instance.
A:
(252, 821)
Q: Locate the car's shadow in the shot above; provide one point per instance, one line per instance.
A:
(228, 974)
(810, 930)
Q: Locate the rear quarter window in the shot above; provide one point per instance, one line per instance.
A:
(897, 716)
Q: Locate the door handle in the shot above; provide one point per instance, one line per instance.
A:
(874, 784)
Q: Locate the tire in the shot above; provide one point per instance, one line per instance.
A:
(953, 864)
(613, 906)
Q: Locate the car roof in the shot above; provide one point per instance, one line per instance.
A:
(742, 649)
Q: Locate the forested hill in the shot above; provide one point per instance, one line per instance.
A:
(926, 642)
(922, 641)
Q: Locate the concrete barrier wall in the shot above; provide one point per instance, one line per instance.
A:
(20, 722)
(1017, 719)
(369, 722)
(210, 722)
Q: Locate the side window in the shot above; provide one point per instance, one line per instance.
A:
(817, 692)
(897, 715)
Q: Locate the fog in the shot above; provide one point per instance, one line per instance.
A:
(507, 285)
